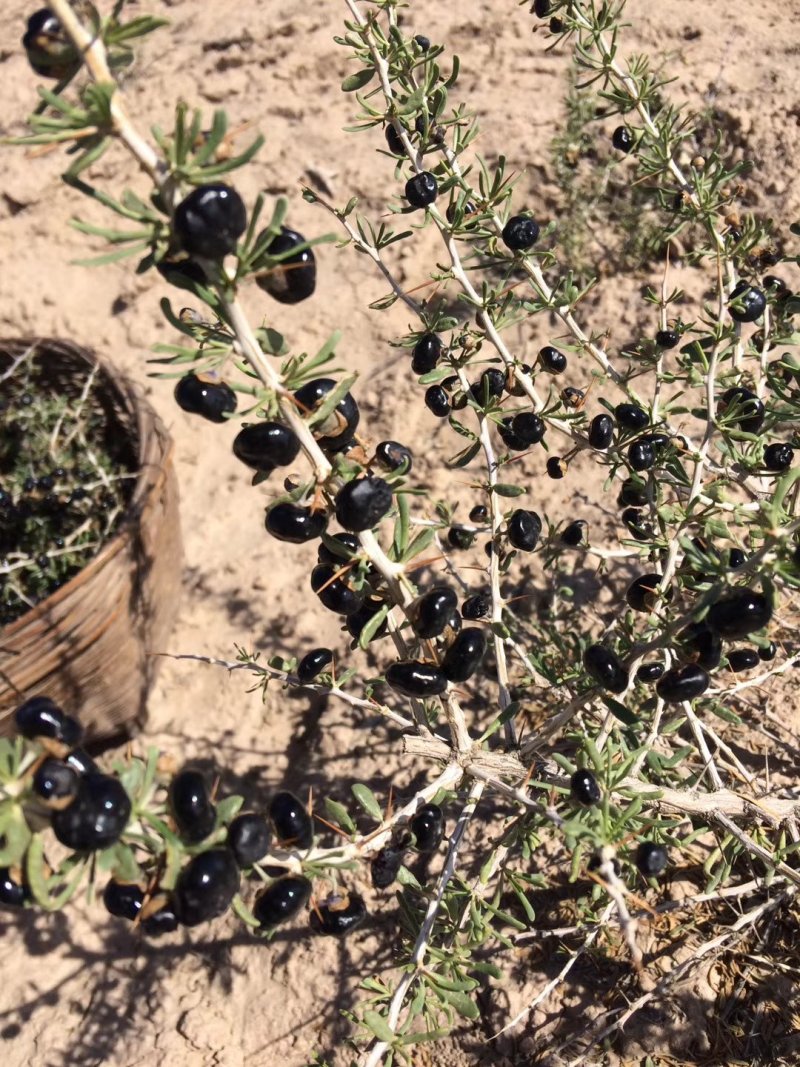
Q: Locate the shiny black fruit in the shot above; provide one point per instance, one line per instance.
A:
(210, 220)
(746, 303)
(384, 867)
(338, 430)
(622, 139)
(266, 445)
(335, 594)
(359, 619)
(199, 396)
(42, 717)
(393, 142)
(736, 558)
(631, 416)
(290, 821)
(778, 457)
(96, 817)
(743, 659)
(651, 859)
(649, 672)
(338, 915)
(430, 612)
(206, 886)
(56, 783)
(601, 431)
(123, 899)
(427, 826)
(740, 613)
(553, 360)
(520, 232)
(741, 407)
(313, 663)
(668, 338)
(642, 594)
(191, 806)
(350, 546)
(464, 655)
(81, 762)
(682, 683)
(476, 607)
(523, 530)
(282, 900)
(294, 523)
(459, 538)
(437, 402)
(605, 668)
(641, 455)
(295, 277)
(49, 50)
(426, 353)
(701, 645)
(528, 428)
(422, 189)
(160, 922)
(362, 503)
(583, 788)
(413, 678)
(767, 653)
(556, 467)
(574, 533)
(632, 495)
(248, 838)
(12, 894)
(510, 439)
(393, 456)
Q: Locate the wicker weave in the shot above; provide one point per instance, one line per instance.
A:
(89, 645)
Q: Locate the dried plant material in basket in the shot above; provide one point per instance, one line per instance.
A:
(90, 545)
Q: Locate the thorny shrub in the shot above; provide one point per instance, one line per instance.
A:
(598, 735)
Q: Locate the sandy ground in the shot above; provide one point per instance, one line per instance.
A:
(76, 988)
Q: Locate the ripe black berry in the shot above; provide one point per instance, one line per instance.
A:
(743, 659)
(642, 594)
(778, 457)
(338, 915)
(767, 653)
(12, 894)
(746, 303)
(393, 141)
(338, 430)
(556, 467)
(123, 899)
(393, 456)
(651, 859)
(81, 762)
(668, 338)
(42, 717)
(649, 672)
(426, 353)
(701, 645)
(736, 558)
(335, 594)
(464, 655)
(601, 431)
(295, 277)
(583, 788)
(414, 678)
(632, 495)
(529, 428)
(290, 821)
(430, 612)
(605, 668)
(641, 455)
(573, 533)
(631, 416)
(162, 921)
(491, 383)
(541, 8)
(427, 826)
(291, 522)
(248, 838)
(739, 614)
(422, 189)
(460, 538)
(282, 900)
(476, 607)
(384, 867)
(362, 503)
(200, 396)
(423, 42)
(742, 408)
(358, 620)
(266, 445)
(206, 886)
(191, 806)
(49, 51)
(520, 232)
(96, 817)
(622, 139)
(436, 401)
(553, 360)
(510, 439)
(313, 663)
(210, 220)
(682, 683)
(523, 530)
(56, 783)
(479, 514)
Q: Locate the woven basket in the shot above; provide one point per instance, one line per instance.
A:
(89, 645)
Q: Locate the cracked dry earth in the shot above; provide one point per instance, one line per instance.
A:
(76, 988)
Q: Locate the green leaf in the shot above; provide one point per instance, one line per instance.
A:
(340, 815)
(508, 490)
(368, 801)
(244, 913)
(331, 401)
(378, 1025)
(428, 1035)
(372, 627)
(463, 1004)
(228, 809)
(16, 834)
(354, 82)
(619, 711)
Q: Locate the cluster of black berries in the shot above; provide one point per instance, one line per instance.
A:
(423, 833)
(650, 858)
